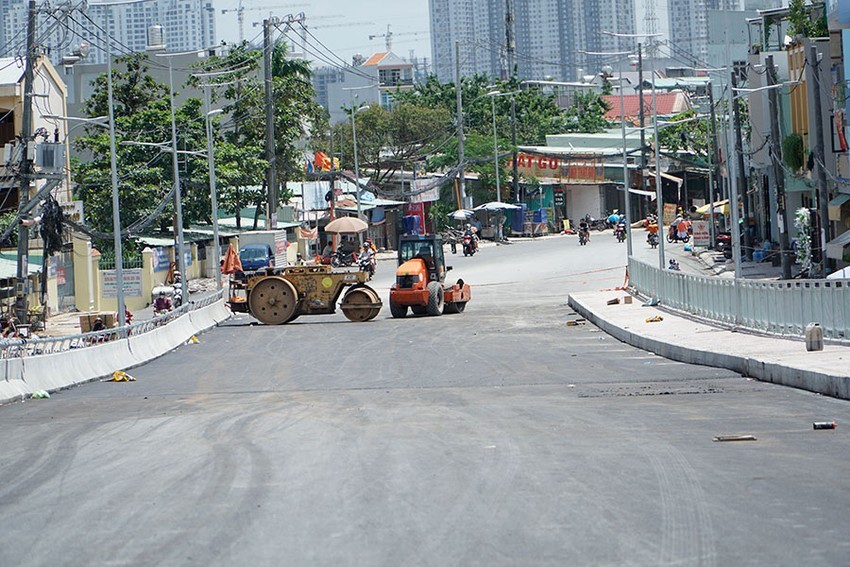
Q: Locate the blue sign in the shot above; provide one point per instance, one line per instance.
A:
(161, 260)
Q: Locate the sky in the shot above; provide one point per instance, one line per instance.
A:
(344, 26)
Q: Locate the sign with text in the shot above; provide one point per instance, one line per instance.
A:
(132, 282)
(568, 170)
(161, 259)
(701, 234)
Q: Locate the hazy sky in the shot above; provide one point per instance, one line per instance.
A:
(352, 21)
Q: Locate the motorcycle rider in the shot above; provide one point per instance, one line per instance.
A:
(472, 233)
(367, 255)
(621, 227)
(162, 304)
(584, 229)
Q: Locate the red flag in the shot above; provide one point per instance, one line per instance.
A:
(322, 161)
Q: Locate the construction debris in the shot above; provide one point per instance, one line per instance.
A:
(735, 438)
(614, 301)
(121, 376)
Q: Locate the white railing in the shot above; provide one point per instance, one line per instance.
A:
(17, 348)
(781, 307)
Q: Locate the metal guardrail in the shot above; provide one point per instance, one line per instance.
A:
(18, 348)
(782, 307)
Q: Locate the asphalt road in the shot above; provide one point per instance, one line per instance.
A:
(500, 436)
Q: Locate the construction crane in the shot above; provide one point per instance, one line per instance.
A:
(389, 35)
(240, 14)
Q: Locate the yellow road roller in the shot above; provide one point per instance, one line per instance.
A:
(275, 296)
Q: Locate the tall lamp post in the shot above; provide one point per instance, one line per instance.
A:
(211, 164)
(178, 204)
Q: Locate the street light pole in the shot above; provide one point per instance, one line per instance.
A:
(178, 205)
(113, 166)
(213, 192)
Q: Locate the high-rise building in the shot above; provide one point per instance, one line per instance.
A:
(689, 25)
(183, 25)
(550, 35)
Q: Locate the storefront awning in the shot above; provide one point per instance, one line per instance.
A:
(836, 247)
(650, 194)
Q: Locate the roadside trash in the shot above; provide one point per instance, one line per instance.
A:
(627, 300)
(576, 322)
(121, 376)
(655, 319)
(688, 248)
(735, 438)
(824, 425)
(614, 301)
(652, 302)
(193, 341)
(40, 395)
(814, 337)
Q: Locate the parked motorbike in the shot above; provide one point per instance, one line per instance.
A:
(597, 224)
(177, 293)
(342, 259)
(469, 246)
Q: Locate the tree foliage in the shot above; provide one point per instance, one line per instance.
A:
(803, 21)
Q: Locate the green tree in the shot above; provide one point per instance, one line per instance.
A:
(804, 21)
(145, 174)
(242, 150)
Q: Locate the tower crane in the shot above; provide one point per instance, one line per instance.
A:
(389, 35)
(240, 13)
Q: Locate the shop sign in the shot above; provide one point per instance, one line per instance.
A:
(701, 235)
(132, 282)
(581, 170)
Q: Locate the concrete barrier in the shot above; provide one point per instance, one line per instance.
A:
(51, 372)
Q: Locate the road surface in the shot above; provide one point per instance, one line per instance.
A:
(500, 436)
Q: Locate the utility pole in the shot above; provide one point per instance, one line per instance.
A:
(778, 172)
(510, 42)
(271, 177)
(820, 159)
(742, 174)
(22, 287)
(460, 156)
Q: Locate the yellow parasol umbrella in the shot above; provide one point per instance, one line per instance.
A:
(720, 208)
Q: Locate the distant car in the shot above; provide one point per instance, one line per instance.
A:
(255, 257)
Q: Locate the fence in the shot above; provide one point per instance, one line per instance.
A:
(782, 307)
(18, 348)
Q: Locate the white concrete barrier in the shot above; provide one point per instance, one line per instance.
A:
(23, 376)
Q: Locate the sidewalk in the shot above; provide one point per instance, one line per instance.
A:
(66, 324)
(675, 336)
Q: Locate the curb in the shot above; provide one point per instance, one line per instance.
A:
(762, 370)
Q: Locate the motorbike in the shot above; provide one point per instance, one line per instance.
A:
(341, 259)
(469, 247)
(583, 235)
(673, 236)
(652, 239)
(367, 265)
(620, 233)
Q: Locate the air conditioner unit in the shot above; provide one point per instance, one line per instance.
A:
(50, 156)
